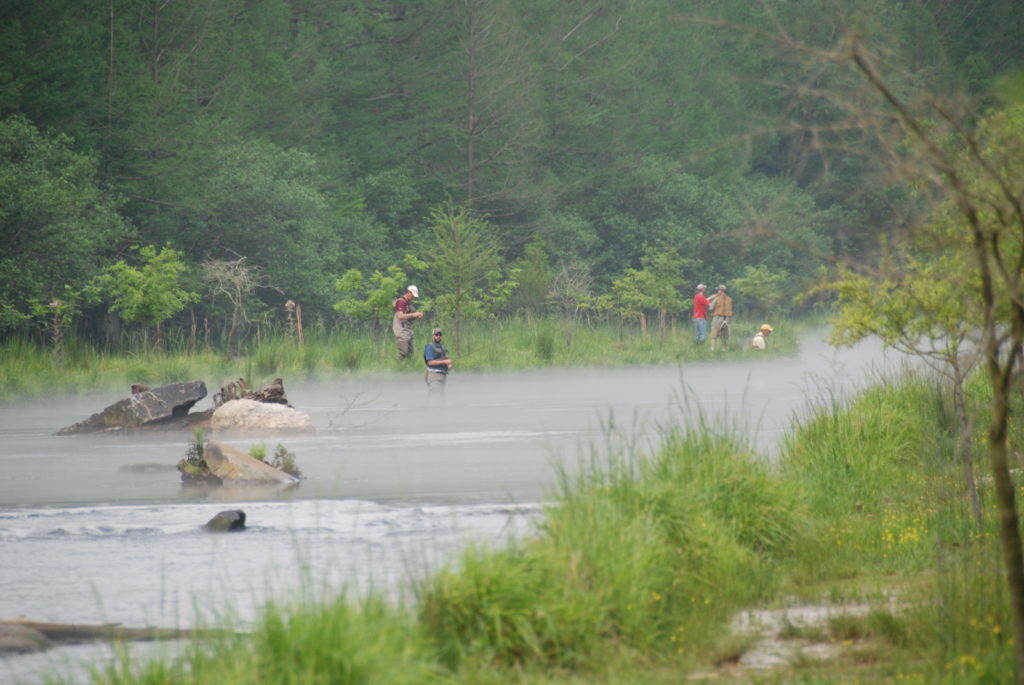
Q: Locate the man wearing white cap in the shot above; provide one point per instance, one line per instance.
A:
(401, 324)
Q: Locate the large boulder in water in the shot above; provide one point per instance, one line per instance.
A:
(145, 408)
(250, 415)
(233, 466)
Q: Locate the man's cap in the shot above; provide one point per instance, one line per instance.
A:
(702, 286)
(414, 290)
(766, 327)
(436, 331)
(721, 287)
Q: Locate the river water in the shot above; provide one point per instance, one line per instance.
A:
(99, 529)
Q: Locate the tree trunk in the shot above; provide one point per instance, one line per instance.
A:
(1009, 522)
(964, 440)
(231, 332)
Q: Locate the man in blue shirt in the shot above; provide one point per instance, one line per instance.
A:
(438, 364)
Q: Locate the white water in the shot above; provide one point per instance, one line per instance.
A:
(395, 485)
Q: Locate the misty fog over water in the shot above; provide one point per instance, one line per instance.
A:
(99, 528)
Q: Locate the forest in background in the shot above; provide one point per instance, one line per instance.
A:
(173, 161)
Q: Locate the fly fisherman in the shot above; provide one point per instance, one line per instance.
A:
(438, 364)
(401, 324)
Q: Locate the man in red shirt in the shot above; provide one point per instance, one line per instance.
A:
(401, 324)
(700, 312)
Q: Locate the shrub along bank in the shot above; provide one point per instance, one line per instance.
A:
(637, 568)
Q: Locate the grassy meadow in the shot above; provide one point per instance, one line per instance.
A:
(642, 562)
(29, 370)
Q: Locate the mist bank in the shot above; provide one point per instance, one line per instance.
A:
(28, 370)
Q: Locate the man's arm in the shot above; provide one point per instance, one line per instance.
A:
(403, 313)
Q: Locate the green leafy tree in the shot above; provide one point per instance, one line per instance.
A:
(534, 278)
(975, 170)
(919, 306)
(631, 296)
(764, 292)
(222, 196)
(58, 224)
(371, 299)
(151, 293)
(665, 268)
(460, 254)
(655, 287)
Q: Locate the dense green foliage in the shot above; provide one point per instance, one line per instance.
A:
(313, 138)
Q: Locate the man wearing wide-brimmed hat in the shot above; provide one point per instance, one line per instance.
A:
(760, 340)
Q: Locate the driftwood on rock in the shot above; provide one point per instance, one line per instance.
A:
(239, 390)
(167, 405)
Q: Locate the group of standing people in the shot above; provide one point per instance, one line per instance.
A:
(435, 355)
(719, 306)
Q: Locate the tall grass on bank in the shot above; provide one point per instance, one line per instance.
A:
(338, 641)
(640, 558)
(869, 472)
(28, 370)
(890, 506)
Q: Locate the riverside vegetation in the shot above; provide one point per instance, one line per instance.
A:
(637, 567)
(28, 370)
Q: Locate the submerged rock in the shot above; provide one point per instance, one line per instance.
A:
(252, 415)
(146, 468)
(168, 404)
(227, 521)
(16, 638)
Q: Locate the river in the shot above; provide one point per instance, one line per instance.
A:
(98, 529)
